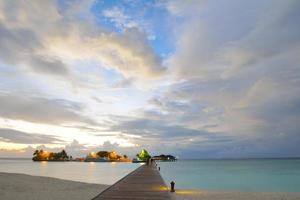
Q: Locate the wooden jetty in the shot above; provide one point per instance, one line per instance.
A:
(144, 183)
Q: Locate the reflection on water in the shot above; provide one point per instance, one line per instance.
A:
(90, 172)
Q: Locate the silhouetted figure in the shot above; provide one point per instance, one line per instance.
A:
(172, 186)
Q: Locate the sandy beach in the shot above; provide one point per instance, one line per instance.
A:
(26, 187)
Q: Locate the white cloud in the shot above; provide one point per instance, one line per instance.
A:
(19, 137)
(240, 81)
(231, 86)
(75, 149)
(119, 18)
(53, 36)
(183, 7)
(41, 110)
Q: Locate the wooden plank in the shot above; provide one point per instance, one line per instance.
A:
(144, 183)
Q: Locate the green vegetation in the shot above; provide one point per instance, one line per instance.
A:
(106, 156)
(41, 155)
(163, 157)
(110, 155)
(103, 154)
(143, 155)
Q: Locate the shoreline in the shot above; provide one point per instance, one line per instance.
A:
(181, 194)
(21, 186)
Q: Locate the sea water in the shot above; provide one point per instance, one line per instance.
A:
(265, 175)
(251, 175)
(89, 172)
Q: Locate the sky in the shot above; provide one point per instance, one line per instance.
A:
(191, 78)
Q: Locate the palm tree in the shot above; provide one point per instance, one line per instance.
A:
(36, 152)
(103, 154)
(144, 155)
(64, 154)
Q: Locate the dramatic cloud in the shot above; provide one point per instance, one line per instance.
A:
(14, 136)
(39, 40)
(240, 80)
(74, 149)
(274, 35)
(156, 129)
(194, 78)
(20, 36)
(40, 110)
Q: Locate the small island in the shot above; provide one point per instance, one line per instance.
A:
(100, 156)
(165, 158)
(41, 155)
(143, 156)
(106, 156)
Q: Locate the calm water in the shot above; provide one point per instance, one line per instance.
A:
(102, 173)
(234, 175)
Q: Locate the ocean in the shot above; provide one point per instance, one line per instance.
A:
(88, 172)
(251, 175)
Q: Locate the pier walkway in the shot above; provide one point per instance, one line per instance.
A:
(144, 183)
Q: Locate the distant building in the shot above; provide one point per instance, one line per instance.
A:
(105, 156)
(163, 157)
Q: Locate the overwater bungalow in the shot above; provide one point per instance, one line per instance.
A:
(162, 157)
